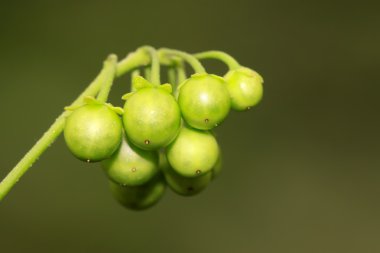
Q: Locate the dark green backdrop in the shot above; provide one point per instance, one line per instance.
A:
(301, 172)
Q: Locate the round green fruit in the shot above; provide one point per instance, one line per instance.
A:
(93, 132)
(193, 153)
(186, 186)
(245, 87)
(151, 118)
(130, 165)
(139, 197)
(204, 101)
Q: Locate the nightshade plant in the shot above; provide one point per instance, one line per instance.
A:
(163, 134)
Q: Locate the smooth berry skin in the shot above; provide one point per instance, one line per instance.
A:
(93, 132)
(193, 153)
(185, 186)
(151, 118)
(204, 101)
(245, 87)
(130, 165)
(139, 197)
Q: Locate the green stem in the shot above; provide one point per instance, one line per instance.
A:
(155, 62)
(172, 78)
(194, 63)
(109, 67)
(135, 73)
(132, 61)
(148, 73)
(219, 55)
(181, 72)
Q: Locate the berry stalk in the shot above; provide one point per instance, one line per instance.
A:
(134, 73)
(147, 73)
(172, 76)
(110, 66)
(195, 64)
(155, 62)
(181, 72)
(219, 55)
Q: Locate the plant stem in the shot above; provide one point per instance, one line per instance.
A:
(155, 65)
(195, 64)
(181, 72)
(148, 73)
(219, 55)
(132, 61)
(172, 76)
(135, 73)
(109, 67)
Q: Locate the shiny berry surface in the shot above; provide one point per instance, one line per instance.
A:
(193, 153)
(245, 87)
(204, 101)
(93, 132)
(151, 118)
(130, 165)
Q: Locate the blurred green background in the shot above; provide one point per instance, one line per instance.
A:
(301, 171)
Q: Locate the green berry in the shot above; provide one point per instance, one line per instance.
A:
(139, 197)
(193, 153)
(245, 87)
(151, 118)
(93, 132)
(204, 101)
(186, 186)
(130, 165)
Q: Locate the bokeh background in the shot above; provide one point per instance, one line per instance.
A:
(301, 170)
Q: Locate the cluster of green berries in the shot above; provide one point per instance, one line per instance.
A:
(162, 136)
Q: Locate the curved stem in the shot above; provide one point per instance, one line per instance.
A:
(130, 62)
(195, 64)
(155, 62)
(109, 68)
(219, 55)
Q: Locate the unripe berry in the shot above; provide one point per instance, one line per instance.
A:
(193, 153)
(245, 87)
(151, 118)
(93, 132)
(130, 165)
(139, 197)
(204, 101)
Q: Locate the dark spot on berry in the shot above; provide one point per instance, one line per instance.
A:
(133, 169)
(206, 121)
(198, 172)
(147, 142)
(190, 188)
